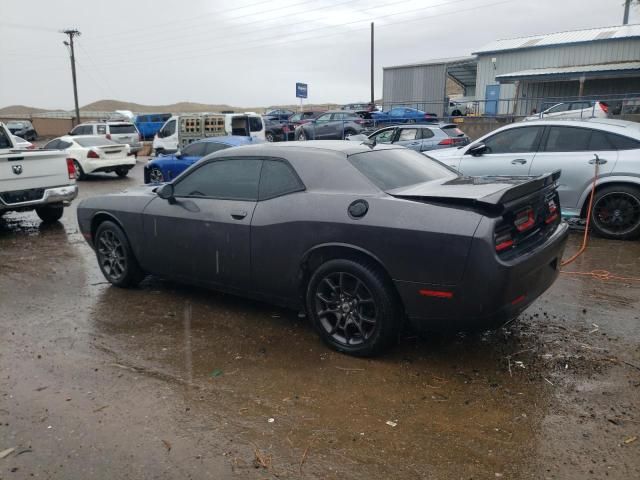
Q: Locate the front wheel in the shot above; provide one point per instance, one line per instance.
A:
(353, 307)
(269, 137)
(348, 133)
(78, 171)
(301, 136)
(50, 214)
(155, 175)
(616, 212)
(115, 257)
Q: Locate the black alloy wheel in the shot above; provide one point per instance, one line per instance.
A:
(115, 257)
(616, 212)
(78, 171)
(353, 307)
(269, 137)
(155, 175)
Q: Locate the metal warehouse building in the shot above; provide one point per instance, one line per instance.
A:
(514, 76)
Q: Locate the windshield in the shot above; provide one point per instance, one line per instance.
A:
(15, 124)
(94, 142)
(396, 168)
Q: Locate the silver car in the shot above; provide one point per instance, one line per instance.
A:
(118, 131)
(420, 138)
(575, 147)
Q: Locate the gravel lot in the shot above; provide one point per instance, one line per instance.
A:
(166, 381)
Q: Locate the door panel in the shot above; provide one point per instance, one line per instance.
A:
(410, 138)
(573, 150)
(509, 152)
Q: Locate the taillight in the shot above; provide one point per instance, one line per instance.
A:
(446, 141)
(503, 241)
(108, 135)
(604, 107)
(553, 212)
(525, 219)
(139, 137)
(71, 169)
(92, 154)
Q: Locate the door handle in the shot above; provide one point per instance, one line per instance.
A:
(599, 161)
(239, 214)
(518, 161)
(414, 144)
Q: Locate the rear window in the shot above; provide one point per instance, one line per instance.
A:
(453, 131)
(123, 128)
(391, 169)
(94, 142)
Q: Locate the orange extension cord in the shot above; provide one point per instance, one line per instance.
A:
(595, 274)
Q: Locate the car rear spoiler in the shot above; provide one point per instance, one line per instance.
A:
(494, 203)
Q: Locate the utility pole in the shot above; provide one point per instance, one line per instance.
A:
(73, 33)
(372, 94)
(625, 18)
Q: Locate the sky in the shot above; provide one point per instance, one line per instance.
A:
(252, 52)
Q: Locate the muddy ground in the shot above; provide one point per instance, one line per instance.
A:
(166, 381)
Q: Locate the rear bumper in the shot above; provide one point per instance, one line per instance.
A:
(64, 195)
(108, 165)
(493, 291)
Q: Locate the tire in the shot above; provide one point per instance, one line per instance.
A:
(50, 214)
(269, 137)
(122, 172)
(155, 175)
(79, 172)
(342, 312)
(301, 136)
(616, 212)
(456, 113)
(115, 257)
(411, 120)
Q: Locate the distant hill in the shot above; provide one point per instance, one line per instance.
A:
(186, 107)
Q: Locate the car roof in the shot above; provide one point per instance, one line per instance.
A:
(345, 147)
(228, 140)
(608, 124)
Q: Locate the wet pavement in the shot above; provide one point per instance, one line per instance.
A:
(167, 381)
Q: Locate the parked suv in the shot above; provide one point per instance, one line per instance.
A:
(23, 129)
(419, 137)
(119, 132)
(331, 125)
(573, 146)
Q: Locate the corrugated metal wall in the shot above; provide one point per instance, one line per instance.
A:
(419, 84)
(560, 56)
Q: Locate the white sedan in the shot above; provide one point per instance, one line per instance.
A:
(93, 154)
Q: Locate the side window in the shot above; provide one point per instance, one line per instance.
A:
(621, 142)
(214, 147)
(101, 129)
(324, 118)
(385, 136)
(514, 140)
(194, 150)
(62, 145)
(231, 179)
(563, 107)
(277, 178)
(600, 141)
(295, 118)
(408, 134)
(396, 112)
(87, 130)
(567, 139)
(427, 133)
(77, 130)
(255, 124)
(53, 144)
(170, 128)
(338, 116)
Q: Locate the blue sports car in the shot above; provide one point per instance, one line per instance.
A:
(165, 168)
(403, 115)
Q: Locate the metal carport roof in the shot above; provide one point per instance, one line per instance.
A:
(462, 69)
(573, 73)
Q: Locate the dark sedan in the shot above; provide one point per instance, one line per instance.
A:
(23, 129)
(359, 236)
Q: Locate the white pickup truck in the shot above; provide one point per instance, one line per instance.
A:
(40, 180)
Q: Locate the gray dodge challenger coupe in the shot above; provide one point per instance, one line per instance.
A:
(359, 236)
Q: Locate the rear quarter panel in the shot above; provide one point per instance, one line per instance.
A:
(415, 242)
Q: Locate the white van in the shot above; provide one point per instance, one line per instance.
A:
(180, 130)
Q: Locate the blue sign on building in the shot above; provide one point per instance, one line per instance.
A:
(301, 90)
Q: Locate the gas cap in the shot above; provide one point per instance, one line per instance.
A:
(358, 208)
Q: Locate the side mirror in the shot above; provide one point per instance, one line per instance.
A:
(178, 154)
(166, 192)
(477, 149)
